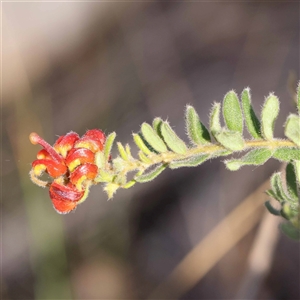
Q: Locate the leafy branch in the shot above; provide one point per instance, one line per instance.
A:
(75, 163)
(160, 148)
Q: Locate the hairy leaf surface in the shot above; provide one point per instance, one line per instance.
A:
(252, 122)
(232, 112)
(197, 132)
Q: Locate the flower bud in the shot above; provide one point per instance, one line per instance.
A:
(78, 157)
(65, 143)
(82, 173)
(64, 197)
(92, 140)
(53, 168)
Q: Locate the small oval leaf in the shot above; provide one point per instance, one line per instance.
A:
(278, 189)
(129, 184)
(140, 143)
(108, 145)
(214, 120)
(100, 160)
(290, 231)
(231, 140)
(232, 112)
(128, 151)
(291, 183)
(192, 161)
(152, 138)
(156, 125)
(287, 154)
(296, 164)
(292, 129)
(172, 140)
(271, 209)
(151, 174)
(298, 97)
(144, 158)
(255, 157)
(252, 122)
(197, 132)
(122, 151)
(269, 114)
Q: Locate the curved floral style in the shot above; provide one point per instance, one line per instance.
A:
(71, 163)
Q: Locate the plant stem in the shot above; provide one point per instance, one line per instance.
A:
(213, 149)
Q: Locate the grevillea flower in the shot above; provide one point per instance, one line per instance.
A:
(72, 165)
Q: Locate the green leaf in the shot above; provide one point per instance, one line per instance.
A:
(298, 98)
(269, 115)
(111, 188)
(156, 124)
(290, 231)
(197, 132)
(232, 140)
(271, 209)
(129, 184)
(144, 158)
(176, 144)
(122, 151)
(192, 161)
(108, 145)
(297, 170)
(291, 181)
(150, 175)
(292, 129)
(118, 164)
(252, 122)
(128, 151)
(221, 152)
(104, 176)
(277, 188)
(152, 138)
(255, 157)
(289, 210)
(140, 143)
(214, 120)
(287, 154)
(232, 112)
(100, 160)
(272, 194)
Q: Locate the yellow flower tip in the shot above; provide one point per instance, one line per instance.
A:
(80, 182)
(75, 163)
(62, 150)
(88, 145)
(39, 169)
(34, 138)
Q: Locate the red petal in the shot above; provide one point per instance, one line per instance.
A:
(96, 135)
(65, 192)
(66, 142)
(79, 156)
(53, 168)
(63, 207)
(87, 170)
(43, 154)
(93, 140)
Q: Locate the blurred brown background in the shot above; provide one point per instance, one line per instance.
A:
(113, 65)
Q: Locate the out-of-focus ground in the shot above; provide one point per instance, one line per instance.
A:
(77, 66)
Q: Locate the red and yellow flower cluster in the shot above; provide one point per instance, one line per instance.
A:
(71, 163)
